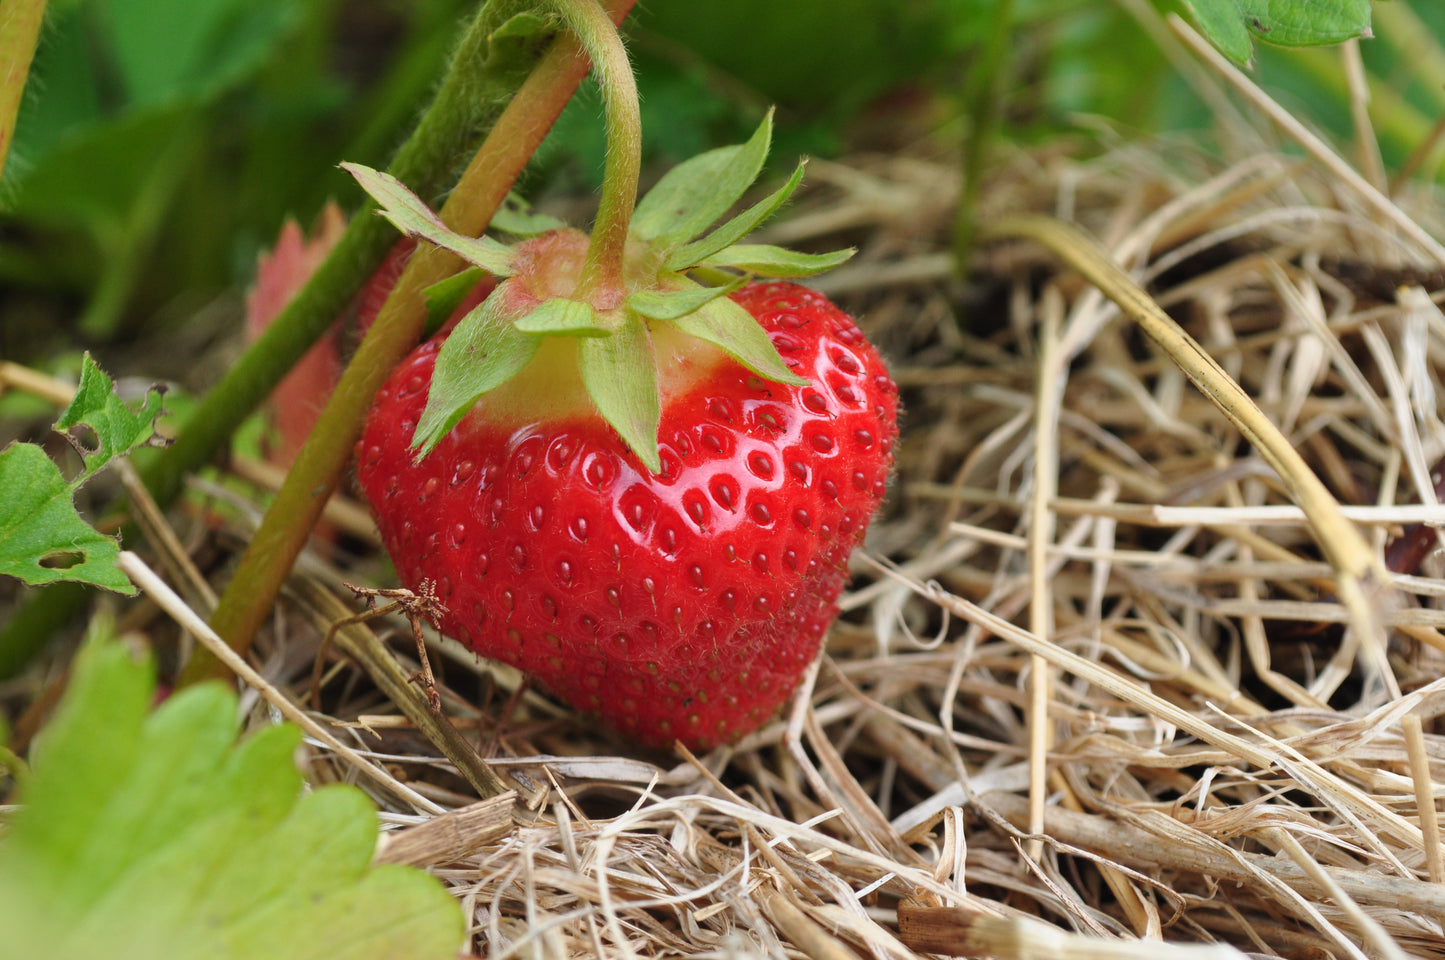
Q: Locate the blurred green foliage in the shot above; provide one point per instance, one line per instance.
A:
(162, 142)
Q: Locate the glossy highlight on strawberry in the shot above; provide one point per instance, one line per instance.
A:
(683, 603)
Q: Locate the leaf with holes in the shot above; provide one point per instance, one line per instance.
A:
(116, 428)
(155, 834)
(42, 537)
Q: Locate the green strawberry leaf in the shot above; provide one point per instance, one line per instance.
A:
(1285, 23)
(561, 316)
(118, 428)
(736, 228)
(443, 297)
(765, 260)
(672, 304)
(1222, 23)
(483, 352)
(694, 194)
(412, 217)
(1306, 23)
(156, 835)
(727, 325)
(42, 537)
(620, 374)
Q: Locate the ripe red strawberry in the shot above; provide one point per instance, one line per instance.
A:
(683, 603)
(636, 488)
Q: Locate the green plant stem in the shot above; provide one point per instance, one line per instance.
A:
(253, 589)
(602, 270)
(19, 30)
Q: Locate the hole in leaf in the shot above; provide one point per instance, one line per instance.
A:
(84, 439)
(62, 559)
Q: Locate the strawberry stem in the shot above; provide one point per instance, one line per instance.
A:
(267, 561)
(601, 282)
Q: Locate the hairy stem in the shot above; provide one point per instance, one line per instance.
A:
(267, 561)
(602, 270)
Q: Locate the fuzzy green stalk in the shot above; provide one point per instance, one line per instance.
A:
(603, 267)
(253, 589)
(19, 31)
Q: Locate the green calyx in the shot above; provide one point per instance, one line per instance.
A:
(546, 294)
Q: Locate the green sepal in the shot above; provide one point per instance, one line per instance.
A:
(725, 324)
(765, 260)
(563, 317)
(515, 216)
(620, 374)
(671, 304)
(695, 193)
(736, 228)
(412, 217)
(482, 353)
(443, 297)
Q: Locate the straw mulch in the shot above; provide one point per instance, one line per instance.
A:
(1102, 687)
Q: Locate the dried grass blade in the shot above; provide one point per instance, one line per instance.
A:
(1358, 567)
(1050, 391)
(451, 836)
(1424, 796)
(1148, 850)
(1383, 943)
(959, 931)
